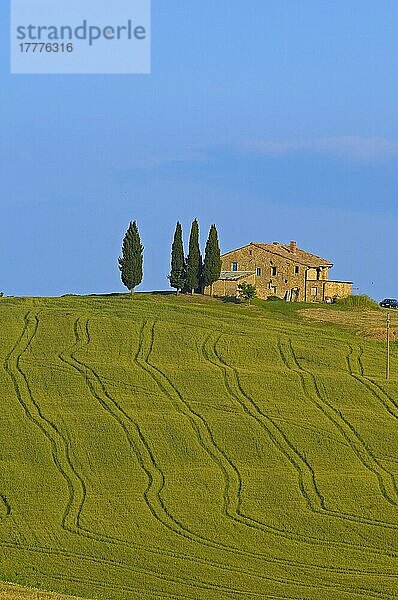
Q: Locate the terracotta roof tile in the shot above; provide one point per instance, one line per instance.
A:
(299, 256)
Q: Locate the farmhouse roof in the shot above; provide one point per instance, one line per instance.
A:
(234, 275)
(291, 252)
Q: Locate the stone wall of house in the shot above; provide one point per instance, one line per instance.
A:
(276, 275)
(339, 289)
(315, 290)
(320, 273)
(222, 288)
(319, 291)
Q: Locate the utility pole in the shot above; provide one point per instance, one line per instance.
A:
(388, 347)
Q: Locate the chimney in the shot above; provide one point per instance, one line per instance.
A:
(293, 246)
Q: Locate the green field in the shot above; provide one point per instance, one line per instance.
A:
(12, 591)
(184, 448)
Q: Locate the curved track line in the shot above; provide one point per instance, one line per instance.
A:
(312, 391)
(167, 387)
(196, 584)
(356, 370)
(85, 369)
(137, 592)
(132, 432)
(64, 453)
(306, 475)
(62, 459)
(59, 445)
(100, 393)
(144, 456)
(277, 436)
(162, 594)
(168, 553)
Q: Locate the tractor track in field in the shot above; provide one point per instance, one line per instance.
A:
(210, 353)
(62, 459)
(306, 475)
(52, 552)
(312, 391)
(61, 450)
(195, 583)
(225, 590)
(207, 441)
(59, 445)
(132, 431)
(155, 594)
(304, 471)
(186, 533)
(169, 521)
(357, 371)
(203, 433)
(147, 462)
(137, 592)
(205, 436)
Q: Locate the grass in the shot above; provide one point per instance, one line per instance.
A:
(183, 448)
(369, 323)
(357, 301)
(17, 592)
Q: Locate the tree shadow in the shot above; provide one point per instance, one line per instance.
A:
(229, 299)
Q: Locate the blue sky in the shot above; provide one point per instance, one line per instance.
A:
(275, 119)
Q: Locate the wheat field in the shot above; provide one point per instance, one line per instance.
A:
(181, 448)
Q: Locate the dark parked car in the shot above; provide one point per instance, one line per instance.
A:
(389, 303)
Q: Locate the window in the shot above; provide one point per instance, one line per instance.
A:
(234, 266)
(297, 270)
(314, 291)
(273, 289)
(274, 271)
(258, 271)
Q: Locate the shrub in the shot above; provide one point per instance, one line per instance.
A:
(247, 291)
(359, 301)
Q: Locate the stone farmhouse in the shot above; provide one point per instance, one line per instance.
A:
(281, 270)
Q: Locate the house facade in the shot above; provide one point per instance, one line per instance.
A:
(282, 270)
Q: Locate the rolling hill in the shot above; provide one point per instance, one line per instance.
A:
(182, 448)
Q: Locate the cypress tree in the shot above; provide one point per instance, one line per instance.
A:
(177, 275)
(212, 263)
(194, 260)
(130, 263)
